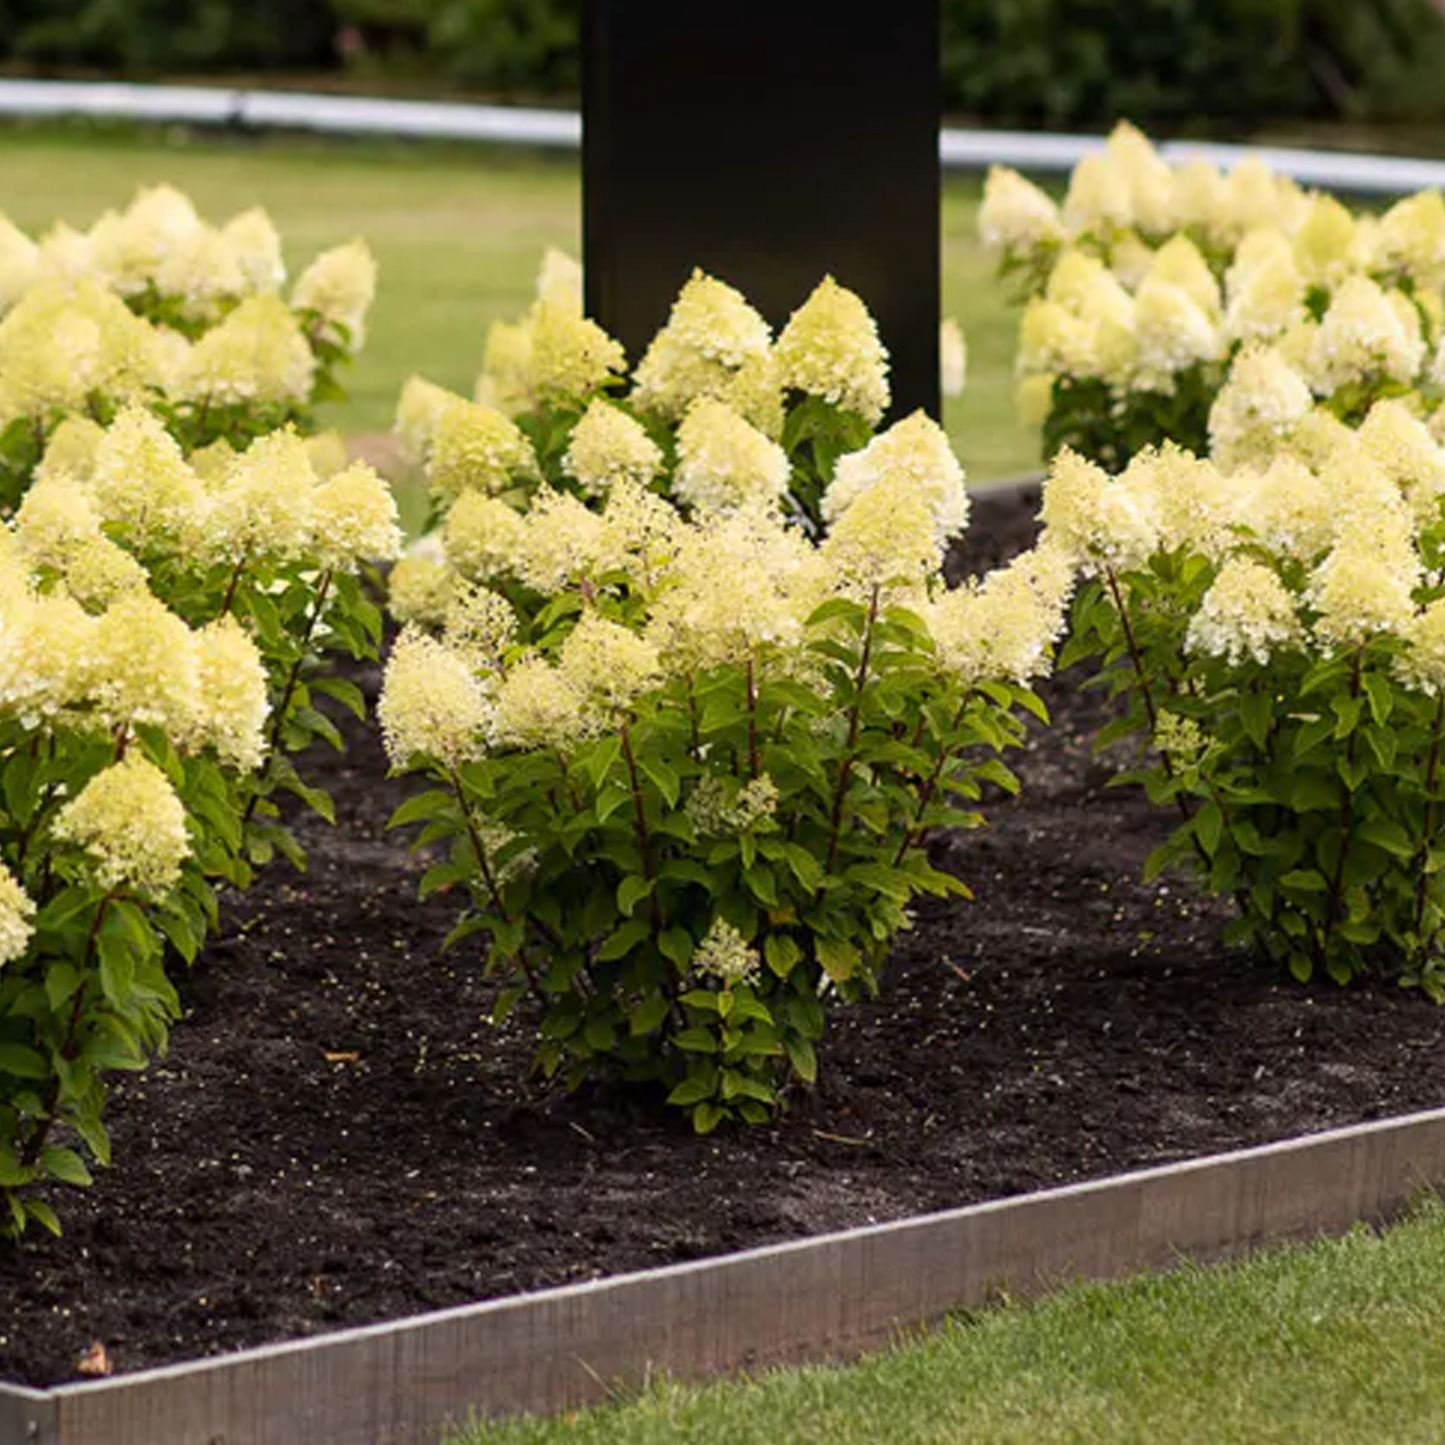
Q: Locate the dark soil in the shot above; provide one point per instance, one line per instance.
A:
(338, 1135)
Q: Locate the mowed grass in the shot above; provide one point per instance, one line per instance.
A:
(1336, 1343)
(458, 233)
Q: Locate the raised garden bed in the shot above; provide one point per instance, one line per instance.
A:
(339, 1137)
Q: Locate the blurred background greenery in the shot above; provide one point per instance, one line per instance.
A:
(1171, 65)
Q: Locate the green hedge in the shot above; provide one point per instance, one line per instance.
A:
(1166, 64)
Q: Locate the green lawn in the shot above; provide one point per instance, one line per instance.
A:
(1340, 1343)
(458, 233)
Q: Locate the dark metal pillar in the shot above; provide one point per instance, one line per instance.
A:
(768, 142)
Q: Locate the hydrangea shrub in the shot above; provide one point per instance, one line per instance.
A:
(690, 724)
(1278, 637)
(1178, 303)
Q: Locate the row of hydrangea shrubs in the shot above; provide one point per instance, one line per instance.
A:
(677, 673)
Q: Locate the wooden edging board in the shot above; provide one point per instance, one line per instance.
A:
(404, 1382)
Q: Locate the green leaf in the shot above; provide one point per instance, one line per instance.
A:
(1387, 834)
(22, 1062)
(1209, 827)
(692, 1090)
(707, 1116)
(696, 1041)
(803, 1057)
(65, 1165)
(839, 958)
(599, 758)
(663, 777)
(781, 953)
(1381, 696)
(1255, 710)
(623, 939)
(892, 883)
(631, 891)
(43, 1215)
(676, 945)
(423, 808)
(645, 1017)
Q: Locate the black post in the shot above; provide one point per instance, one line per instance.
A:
(768, 142)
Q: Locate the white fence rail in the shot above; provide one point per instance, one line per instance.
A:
(556, 129)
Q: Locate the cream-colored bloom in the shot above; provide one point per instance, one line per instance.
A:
(418, 411)
(1289, 510)
(560, 543)
(257, 355)
(53, 520)
(1247, 611)
(830, 348)
(431, 705)
(1422, 664)
(48, 659)
(60, 345)
(251, 240)
(609, 665)
(1179, 262)
(1173, 334)
(1255, 196)
(230, 704)
(128, 248)
(1016, 217)
(1194, 503)
(538, 707)
(559, 280)
(480, 626)
(641, 534)
(1261, 402)
(724, 954)
(1005, 626)
(1364, 337)
(353, 519)
(952, 357)
(1146, 176)
(1401, 444)
(1264, 290)
(131, 823)
(476, 448)
(736, 584)
(571, 357)
(724, 464)
(200, 275)
(19, 263)
(886, 541)
(338, 288)
(711, 334)
(97, 573)
(17, 909)
(483, 536)
(1356, 592)
(1325, 245)
(1197, 193)
(419, 587)
(1093, 518)
(718, 807)
(608, 446)
(265, 505)
(1099, 199)
(146, 669)
(917, 450)
(328, 453)
(71, 449)
(140, 480)
(505, 381)
(1410, 240)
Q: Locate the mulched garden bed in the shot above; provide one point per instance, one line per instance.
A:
(338, 1136)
